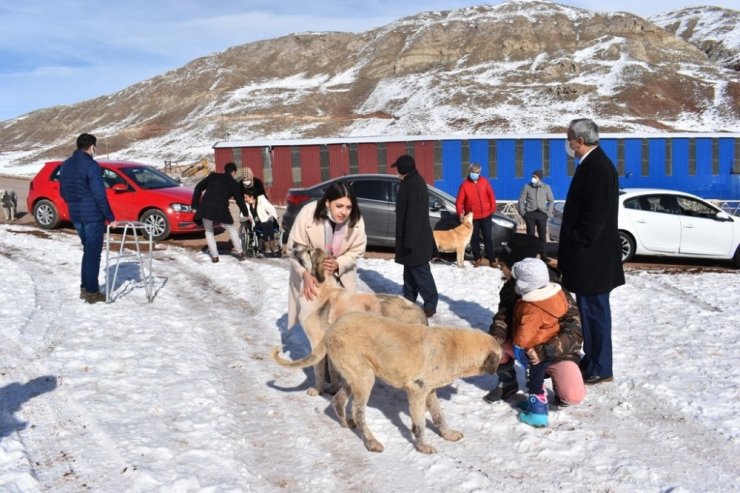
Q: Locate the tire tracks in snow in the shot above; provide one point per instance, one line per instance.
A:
(59, 430)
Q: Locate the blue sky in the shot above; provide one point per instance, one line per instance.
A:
(67, 51)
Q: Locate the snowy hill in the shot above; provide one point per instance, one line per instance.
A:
(713, 30)
(526, 66)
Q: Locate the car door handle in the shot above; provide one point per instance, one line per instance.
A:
(641, 221)
(688, 226)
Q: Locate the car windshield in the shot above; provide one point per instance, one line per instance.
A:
(149, 178)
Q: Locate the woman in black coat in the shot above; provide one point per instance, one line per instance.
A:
(211, 201)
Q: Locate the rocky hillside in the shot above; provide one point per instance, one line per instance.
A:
(525, 66)
(713, 30)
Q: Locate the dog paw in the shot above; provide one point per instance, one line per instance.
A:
(374, 446)
(425, 449)
(452, 435)
(351, 424)
(313, 392)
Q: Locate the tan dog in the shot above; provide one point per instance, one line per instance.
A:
(413, 357)
(455, 240)
(333, 301)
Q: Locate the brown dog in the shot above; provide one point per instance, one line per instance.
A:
(413, 357)
(455, 240)
(333, 301)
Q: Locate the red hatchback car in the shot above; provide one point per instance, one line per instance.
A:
(136, 192)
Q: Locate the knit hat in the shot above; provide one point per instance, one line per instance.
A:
(530, 274)
(537, 173)
(519, 247)
(404, 164)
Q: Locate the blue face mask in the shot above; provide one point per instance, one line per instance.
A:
(474, 176)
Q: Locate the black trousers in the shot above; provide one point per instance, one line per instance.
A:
(418, 280)
(482, 226)
(537, 220)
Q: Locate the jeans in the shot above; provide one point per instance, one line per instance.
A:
(91, 234)
(596, 320)
(418, 280)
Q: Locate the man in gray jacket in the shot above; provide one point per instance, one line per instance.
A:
(535, 206)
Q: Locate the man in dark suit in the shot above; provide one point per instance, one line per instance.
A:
(414, 240)
(589, 254)
(82, 188)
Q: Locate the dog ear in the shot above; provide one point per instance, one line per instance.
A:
(490, 365)
(317, 262)
(300, 253)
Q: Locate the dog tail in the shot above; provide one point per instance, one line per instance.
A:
(318, 354)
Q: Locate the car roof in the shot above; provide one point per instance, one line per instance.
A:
(110, 163)
(632, 192)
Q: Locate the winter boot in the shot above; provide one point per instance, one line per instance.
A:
(536, 412)
(278, 249)
(507, 385)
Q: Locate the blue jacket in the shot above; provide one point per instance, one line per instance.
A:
(82, 188)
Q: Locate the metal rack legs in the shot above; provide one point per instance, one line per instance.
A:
(133, 229)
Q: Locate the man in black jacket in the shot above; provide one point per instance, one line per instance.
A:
(589, 254)
(213, 207)
(414, 240)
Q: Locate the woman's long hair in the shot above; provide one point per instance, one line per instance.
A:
(338, 190)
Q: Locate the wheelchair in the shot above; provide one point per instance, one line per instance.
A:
(252, 238)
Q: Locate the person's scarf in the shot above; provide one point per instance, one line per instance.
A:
(333, 237)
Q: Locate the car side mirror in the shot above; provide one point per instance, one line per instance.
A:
(437, 205)
(723, 216)
(120, 187)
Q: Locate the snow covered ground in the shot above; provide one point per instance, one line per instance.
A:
(180, 394)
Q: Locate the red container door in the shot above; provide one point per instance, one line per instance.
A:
(338, 160)
(367, 156)
(310, 164)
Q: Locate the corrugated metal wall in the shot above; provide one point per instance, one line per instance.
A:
(223, 156)
(338, 159)
(310, 165)
(706, 166)
(367, 158)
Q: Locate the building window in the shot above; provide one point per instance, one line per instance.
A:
(324, 160)
(238, 160)
(715, 157)
(353, 166)
(267, 166)
(620, 157)
(295, 164)
(668, 157)
(437, 160)
(382, 157)
(645, 160)
(492, 163)
(692, 157)
(518, 158)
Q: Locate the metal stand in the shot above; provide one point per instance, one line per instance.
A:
(135, 230)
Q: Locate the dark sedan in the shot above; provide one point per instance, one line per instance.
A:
(376, 195)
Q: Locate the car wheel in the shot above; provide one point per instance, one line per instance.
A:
(736, 258)
(628, 246)
(45, 214)
(157, 223)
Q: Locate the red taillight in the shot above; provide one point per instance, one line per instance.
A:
(297, 198)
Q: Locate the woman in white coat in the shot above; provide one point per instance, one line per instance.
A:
(334, 224)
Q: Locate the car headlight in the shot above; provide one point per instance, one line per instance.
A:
(181, 207)
(502, 223)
